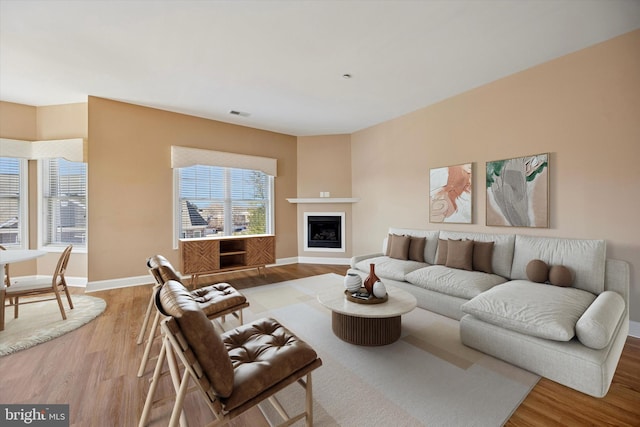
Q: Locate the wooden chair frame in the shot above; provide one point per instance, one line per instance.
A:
(174, 343)
(14, 293)
(235, 311)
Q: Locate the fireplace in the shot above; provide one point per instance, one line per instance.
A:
(324, 231)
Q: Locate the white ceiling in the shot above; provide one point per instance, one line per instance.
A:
(282, 62)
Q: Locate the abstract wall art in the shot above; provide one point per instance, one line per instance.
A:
(518, 192)
(450, 194)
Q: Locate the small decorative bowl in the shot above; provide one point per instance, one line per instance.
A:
(353, 282)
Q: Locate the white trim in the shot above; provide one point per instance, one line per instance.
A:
(124, 282)
(318, 260)
(182, 157)
(634, 328)
(325, 200)
(343, 232)
(286, 261)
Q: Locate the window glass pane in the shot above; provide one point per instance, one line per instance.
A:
(11, 215)
(65, 206)
(226, 201)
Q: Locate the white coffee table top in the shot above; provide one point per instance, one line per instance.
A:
(399, 302)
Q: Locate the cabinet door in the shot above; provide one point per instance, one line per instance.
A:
(261, 250)
(200, 256)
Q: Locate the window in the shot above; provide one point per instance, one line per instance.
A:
(226, 201)
(64, 204)
(13, 202)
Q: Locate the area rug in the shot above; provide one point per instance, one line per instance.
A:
(40, 322)
(426, 378)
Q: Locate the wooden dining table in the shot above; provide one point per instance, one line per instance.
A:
(11, 256)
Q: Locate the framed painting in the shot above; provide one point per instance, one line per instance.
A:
(450, 194)
(518, 192)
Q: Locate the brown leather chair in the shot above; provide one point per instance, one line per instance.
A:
(232, 371)
(216, 301)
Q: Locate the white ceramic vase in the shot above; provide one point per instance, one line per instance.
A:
(379, 290)
(353, 282)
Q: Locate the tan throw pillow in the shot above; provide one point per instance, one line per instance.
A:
(416, 248)
(537, 271)
(483, 256)
(559, 275)
(460, 254)
(399, 248)
(441, 258)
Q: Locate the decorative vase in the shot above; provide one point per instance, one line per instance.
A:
(379, 290)
(371, 278)
(353, 282)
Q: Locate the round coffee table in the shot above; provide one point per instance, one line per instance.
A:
(367, 324)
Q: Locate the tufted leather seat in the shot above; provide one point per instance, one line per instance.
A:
(263, 353)
(215, 301)
(239, 368)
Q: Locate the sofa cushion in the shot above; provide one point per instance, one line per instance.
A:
(443, 247)
(483, 256)
(460, 254)
(559, 275)
(416, 248)
(585, 258)
(398, 247)
(390, 268)
(430, 247)
(537, 271)
(596, 326)
(530, 308)
(502, 248)
(454, 282)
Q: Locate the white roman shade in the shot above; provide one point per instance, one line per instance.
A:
(184, 156)
(69, 149)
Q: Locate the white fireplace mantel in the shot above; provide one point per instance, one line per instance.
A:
(325, 200)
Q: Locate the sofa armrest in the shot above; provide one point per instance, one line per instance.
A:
(357, 259)
(598, 323)
(617, 278)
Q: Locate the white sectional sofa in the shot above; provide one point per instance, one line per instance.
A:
(573, 335)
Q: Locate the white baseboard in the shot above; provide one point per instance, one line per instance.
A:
(634, 329)
(125, 282)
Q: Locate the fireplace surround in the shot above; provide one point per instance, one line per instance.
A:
(324, 231)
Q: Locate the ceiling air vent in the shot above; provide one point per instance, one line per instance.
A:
(239, 113)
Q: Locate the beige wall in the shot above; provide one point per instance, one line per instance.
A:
(324, 165)
(43, 123)
(583, 109)
(130, 181)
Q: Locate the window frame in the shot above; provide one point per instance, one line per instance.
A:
(42, 212)
(23, 205)
(177, 209)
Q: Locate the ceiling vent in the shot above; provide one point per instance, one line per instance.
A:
(239, 113)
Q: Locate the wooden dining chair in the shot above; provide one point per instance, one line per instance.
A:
(55, 285)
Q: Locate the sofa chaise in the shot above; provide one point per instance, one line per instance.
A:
(573, 333)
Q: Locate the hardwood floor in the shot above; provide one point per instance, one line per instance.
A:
(93, 369)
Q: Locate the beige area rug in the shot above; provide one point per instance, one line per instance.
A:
(41, 321)
(426, 378)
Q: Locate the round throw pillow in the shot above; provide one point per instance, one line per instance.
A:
(559, 275)
(537, 271)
